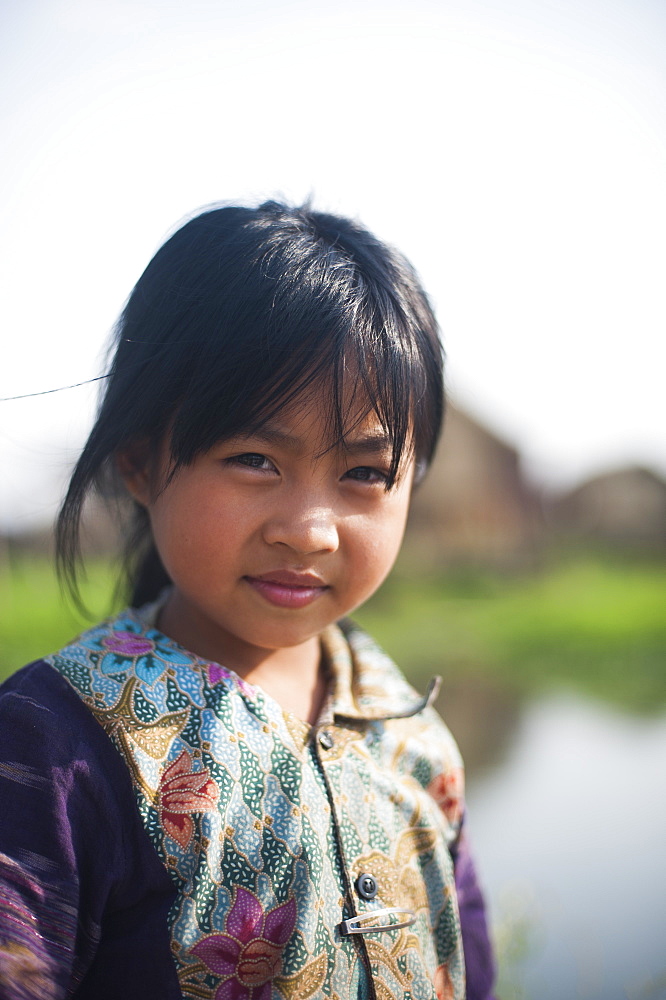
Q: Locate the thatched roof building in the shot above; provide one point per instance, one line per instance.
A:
(475, 504)
(624, 508)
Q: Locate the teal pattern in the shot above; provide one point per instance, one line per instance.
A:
(264, 823)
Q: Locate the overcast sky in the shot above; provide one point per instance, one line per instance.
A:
(515, 150)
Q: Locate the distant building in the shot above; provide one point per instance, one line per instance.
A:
(475, 504)
(625, 508)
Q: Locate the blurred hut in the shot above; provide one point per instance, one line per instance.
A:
(622, 509)
(475, 505)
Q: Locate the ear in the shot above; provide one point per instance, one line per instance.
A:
(134, 463)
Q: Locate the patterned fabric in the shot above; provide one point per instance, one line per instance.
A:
(265, 824)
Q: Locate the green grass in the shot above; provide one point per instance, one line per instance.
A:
(35, 619)
(587, 622)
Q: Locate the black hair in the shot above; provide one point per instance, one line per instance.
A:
(239, 313)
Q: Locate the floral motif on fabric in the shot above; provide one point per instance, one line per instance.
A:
(183, 791)
(448, 791)
(248, 955)
(444, 985)
(145, 655)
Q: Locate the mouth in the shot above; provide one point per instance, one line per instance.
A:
(288, 589)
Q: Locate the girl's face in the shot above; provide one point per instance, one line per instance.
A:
(266, 540)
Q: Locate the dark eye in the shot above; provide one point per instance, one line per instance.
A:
(252, 460)
(366, 474)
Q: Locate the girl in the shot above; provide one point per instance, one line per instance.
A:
(227, 790)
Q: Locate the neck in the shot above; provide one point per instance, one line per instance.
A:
(293, 676)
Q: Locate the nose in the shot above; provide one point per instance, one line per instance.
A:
(306, 528)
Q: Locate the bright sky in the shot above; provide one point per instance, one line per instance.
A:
(514, 149)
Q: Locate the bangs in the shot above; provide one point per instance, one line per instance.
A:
(244, 311)
(331, 345)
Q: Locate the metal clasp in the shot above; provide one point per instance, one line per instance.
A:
(366, 923)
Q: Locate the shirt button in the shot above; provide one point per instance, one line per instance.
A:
(325, 740)
(366, 886)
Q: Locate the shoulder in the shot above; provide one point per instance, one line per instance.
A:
(54, 755)
(39, 697)
(380, 692)
(60, 770)
(127, 644)
(38, 701)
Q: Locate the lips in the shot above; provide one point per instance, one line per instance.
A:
(287, 588)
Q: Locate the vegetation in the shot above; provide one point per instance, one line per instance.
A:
(35, 619)
(588, 622)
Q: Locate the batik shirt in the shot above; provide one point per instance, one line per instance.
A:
(303, 861)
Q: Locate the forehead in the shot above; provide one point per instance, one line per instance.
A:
(314, 421)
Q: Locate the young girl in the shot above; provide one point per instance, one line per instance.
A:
(227, 790)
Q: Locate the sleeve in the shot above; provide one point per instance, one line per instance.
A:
(83, 894)
(479, 958)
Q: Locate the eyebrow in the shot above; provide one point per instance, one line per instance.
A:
(368, 443)
(371, 442)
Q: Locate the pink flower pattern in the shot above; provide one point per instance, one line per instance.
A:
(248, 956)
(216, 673)
(128, 644)
(443, 983)
(183, 791)
(125, 651)
(448, 791)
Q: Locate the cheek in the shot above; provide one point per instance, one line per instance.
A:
(378, 543)
(185, 530)
(203, 532)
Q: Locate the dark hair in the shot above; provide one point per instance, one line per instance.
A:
(238, 313)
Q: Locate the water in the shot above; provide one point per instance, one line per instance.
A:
(570, 834)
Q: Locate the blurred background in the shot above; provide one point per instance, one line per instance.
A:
(516, 152)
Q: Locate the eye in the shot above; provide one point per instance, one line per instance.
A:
(367, 474)
(252, 460)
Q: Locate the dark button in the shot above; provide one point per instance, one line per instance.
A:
(325, 739)
(366, 886)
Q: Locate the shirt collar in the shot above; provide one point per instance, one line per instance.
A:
(365, 684)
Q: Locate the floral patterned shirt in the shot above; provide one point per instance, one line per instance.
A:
(302, 861)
